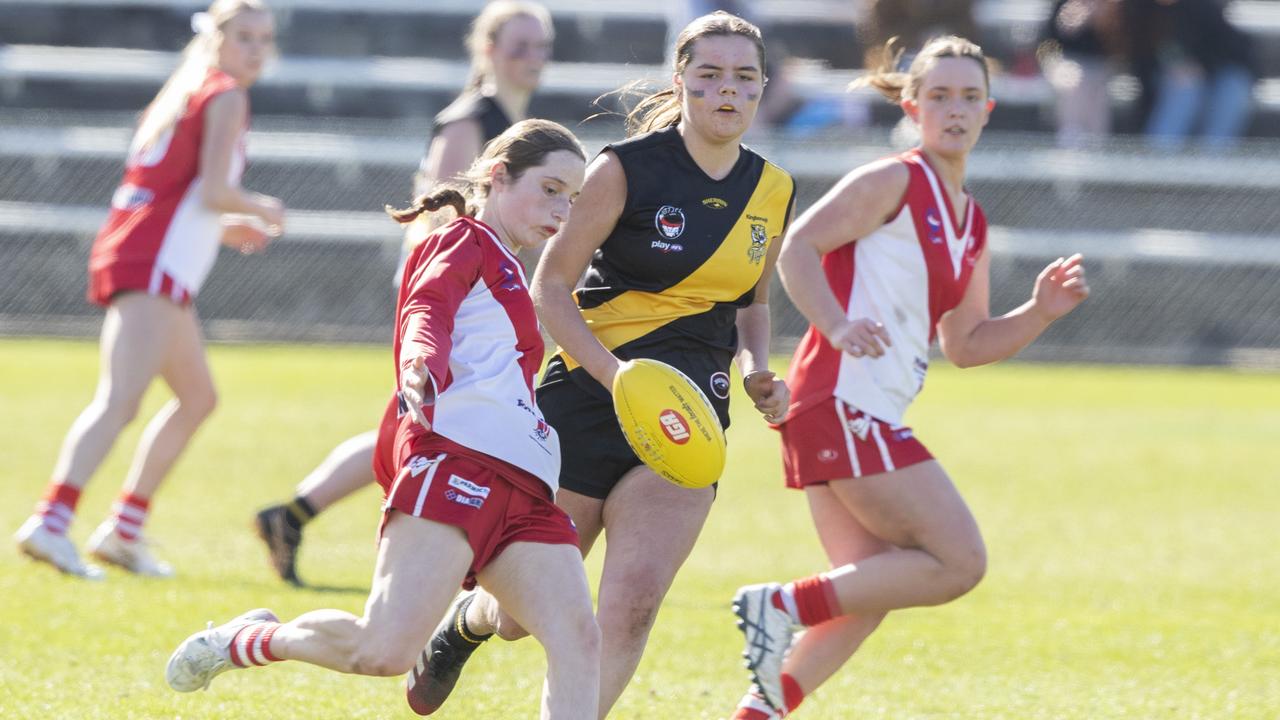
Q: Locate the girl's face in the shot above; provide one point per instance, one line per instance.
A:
(534, 206)
(721, 86)
(520, 52)
(951, 107)
(245, 43)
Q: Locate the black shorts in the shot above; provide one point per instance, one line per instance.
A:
(594, 454)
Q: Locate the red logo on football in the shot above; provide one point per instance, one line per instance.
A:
(675, 426)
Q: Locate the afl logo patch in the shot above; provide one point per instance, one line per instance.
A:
(715, 203)
(720, 385)
(669, 221)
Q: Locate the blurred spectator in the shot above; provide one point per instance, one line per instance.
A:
(913, 22)
(1197, 71)
(1082, 38)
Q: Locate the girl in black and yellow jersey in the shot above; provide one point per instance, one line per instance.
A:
(678, 229)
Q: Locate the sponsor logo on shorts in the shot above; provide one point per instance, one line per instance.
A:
(670, 221)
(418, 465)
(720, 385)
(466, 485)
(859, 426)
(902, 434)
(542, 430)
(675, 426)
(461, 499)
(715, 203)
(828, 455)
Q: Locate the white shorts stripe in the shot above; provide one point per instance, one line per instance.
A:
(157, 277)
(848, 438)
(884, 449)
(426, 484)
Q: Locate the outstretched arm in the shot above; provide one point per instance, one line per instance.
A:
(969, 336)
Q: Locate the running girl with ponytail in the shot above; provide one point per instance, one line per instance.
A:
(467, 464)
(180, 193)
(894, 255)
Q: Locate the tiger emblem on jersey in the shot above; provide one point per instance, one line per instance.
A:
(759, 239)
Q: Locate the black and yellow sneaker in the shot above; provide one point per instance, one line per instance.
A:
(283, 539)
(432, 679)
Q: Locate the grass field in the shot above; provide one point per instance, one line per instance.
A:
(1131, 515)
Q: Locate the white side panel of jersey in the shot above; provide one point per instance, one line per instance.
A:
(487, 405)
(890, 285)
(190, 245)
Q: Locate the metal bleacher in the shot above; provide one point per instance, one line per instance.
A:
(339, 125)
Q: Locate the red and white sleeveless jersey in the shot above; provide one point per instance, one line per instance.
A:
(157, 218)
(906, 275)
(464, 308)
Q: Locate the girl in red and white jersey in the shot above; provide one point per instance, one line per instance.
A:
(894, 255)
(467, 464)
(149, 261)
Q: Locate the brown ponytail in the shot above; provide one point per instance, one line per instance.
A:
(438, 197)
(896, 86)
(522, 146)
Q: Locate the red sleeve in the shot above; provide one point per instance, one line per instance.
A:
(444, 269)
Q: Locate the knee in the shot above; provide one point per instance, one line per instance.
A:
(963, 571)
(577, 637)
(116, 409)
(633, 618)
(201, 404)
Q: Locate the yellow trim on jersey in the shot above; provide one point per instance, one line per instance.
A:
(732, 270)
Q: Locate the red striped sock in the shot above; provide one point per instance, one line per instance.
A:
(816, 600)
(58, 506)
(129, 514)
(753, 707)
(252, 645)
(792, 695)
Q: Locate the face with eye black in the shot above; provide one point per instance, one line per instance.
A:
(520, 52)
(951, 107)
(244, 44)
(531, 208)
(720, 87)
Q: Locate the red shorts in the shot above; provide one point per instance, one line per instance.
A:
(478, 495)
(832, 441)
(111, 280)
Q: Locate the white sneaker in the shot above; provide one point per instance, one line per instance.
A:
(40, 543)
(754, 700)
(768, 632)
(207, 654)
(133, 555)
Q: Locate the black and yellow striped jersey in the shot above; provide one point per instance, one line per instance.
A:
(685, 255)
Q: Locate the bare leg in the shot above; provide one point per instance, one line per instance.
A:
(651, 528)
(347, 468)
(411, 591)
(132, 351)
(544, 587)
(186, 370)
(485, 615)
(937, 554)
(823, 649)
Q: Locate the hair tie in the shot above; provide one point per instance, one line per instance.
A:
(202, 24)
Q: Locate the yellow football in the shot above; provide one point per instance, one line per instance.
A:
(669, 423)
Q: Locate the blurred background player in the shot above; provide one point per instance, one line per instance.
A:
(899, 233)
(180, 190)
(509, 44)
(468, 466)
(678, 249)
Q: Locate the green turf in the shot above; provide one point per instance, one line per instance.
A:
(1130, 515)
